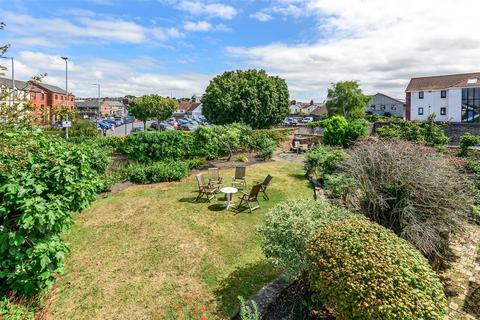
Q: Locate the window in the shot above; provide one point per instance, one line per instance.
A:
(382, 107)
(471, 105)
(393, 107)
(443, 111)
(443, 94)
(56, 97)
(62, 97)
(420, 111)
(42, 96)
(372, 107)
(420, 95)
(71, 99)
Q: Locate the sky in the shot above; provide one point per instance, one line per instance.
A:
(175, 47)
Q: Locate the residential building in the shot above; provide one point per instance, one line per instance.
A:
(381, 104)
(87, 108)
(320, 111)
(188, 109)
(23, 91)
(53, 96)
(303, 108)
(454, 98)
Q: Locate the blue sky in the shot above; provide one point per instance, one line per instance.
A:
(177, 46)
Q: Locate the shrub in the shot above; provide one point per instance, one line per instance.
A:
(427, 132)
(43, 180)
(360, 270)
(109, 179)
(468, 140)
(195, 163)
(289, 225)
(410, 189)
(84, 129)
(155, 172)
(12, 308)
(339, 131)
(243, 157)
(156, 146)
(321, 160)
(265, 148)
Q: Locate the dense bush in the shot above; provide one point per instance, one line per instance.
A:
(155, 172)
(427, 132)
(156, 146)
(338, 131)
(289, 225)
(43, 180)
(468, 140)
(321, 160)
(84, 129)
(410, 189)
(360, 270)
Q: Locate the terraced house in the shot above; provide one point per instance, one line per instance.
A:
(453, 98)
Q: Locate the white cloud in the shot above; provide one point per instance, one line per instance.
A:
(117, 78)
(81, 27)
(261, 16)
(198, 26)
(209, 10)
(381, 43)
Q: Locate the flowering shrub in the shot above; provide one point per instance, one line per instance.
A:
(360, 270)
(43, 180)
(289, 225)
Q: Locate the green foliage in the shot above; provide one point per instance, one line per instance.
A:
(247, 96)
(360, 270)
(468, 140)
(248, 312)
(12, 308)
(84, 129)
(43, 180)
(372, 117)
(156, 146)
(346, 99)
(155, 172)
(243, 157)
(195, 163)
(342, 132)
(151, 106)
(109, 179)
(339, 186)
(321, 160)
(289, 225)
(427, 132)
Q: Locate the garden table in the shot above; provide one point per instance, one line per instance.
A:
(229, 191)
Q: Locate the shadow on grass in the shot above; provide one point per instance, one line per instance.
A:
(298, 176)
(245, 282)
(217, 207)
(472, 300)
(190, 199)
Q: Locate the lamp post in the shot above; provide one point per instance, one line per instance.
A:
(13, 79)
(98, 101)
(66, 89)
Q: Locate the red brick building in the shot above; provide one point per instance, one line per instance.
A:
(50, 96)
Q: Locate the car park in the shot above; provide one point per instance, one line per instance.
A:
(307, 119)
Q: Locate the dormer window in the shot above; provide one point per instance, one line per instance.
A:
(420, 95)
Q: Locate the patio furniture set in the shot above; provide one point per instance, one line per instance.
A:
(215, 184)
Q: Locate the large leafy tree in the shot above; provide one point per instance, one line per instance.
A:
(151, 106)
(346, 99)
(249, 96)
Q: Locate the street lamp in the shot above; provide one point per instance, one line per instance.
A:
(66, 89)
(13, 78)
(98, 101)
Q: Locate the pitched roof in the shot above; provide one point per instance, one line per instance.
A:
(187, 106)
(443, 82)
(390, 97)
(19, 85)
(321, 110)
(86, 104)
(50, 87)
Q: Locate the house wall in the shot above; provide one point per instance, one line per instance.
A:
(432, 102)
(392, 106)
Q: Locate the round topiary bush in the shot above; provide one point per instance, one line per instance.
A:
(360, 270)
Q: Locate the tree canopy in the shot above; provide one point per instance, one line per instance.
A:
(152, 106)
(347, 99)
(248, 96)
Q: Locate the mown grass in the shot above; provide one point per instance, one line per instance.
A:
(148, 252)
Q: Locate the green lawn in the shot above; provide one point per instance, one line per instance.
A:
(148, 252)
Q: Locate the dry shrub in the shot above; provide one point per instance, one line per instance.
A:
(410, 189)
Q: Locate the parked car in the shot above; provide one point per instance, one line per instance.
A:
(128, 119)
(118, 123)
(137, 129)
(307, 119)
(166, 126)
(189, 127)
(103, 124)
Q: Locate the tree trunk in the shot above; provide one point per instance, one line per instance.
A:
(144, 125)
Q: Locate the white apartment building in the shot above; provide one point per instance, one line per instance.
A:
(453, 98)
